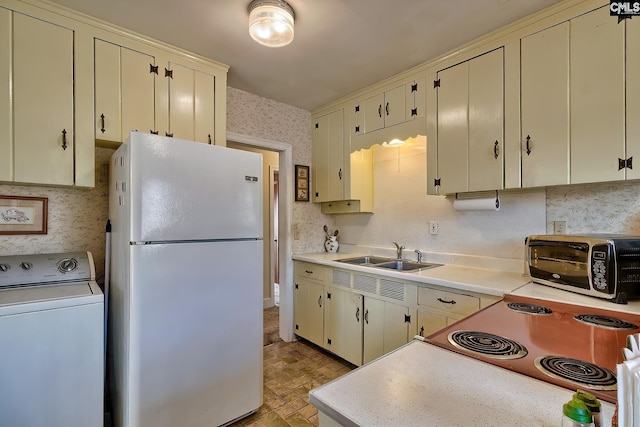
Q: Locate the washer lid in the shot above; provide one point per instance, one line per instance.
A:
(32, 298)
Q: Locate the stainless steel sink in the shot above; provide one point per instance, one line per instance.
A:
(406, 265)
(365, 260)
(388, 263)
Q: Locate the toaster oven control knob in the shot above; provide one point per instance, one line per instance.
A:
(26, 265)
(67, 265)
(4, 267)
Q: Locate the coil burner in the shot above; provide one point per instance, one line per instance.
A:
(604, 321)
(578, 372)
(486, 344)
(529, 308)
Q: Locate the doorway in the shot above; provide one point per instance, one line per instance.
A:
(273, 208)
(284, 220)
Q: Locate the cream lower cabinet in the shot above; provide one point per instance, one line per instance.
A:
(429, 323)
(124, 91)
(343, 318)
(308, 302)
(470, 124)
(40, 66)
(386, 327)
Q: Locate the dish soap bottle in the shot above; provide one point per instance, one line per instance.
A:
(592, 403)
(576, 414)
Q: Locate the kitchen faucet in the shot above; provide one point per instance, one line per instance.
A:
(398, 250)
(419, 252)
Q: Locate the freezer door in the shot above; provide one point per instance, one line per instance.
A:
(196, 333)
(184, 190)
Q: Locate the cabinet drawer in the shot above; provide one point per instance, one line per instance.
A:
(341, 206)
(310, 271)
(448, 301)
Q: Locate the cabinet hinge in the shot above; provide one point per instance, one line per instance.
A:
(328, 295)
(297, 327)
(317, 194)
(414, 87)
(357, 108)
(357, 129)
(153, 132)
(316, 125)
(625, 163)
(329, 341)
(436, 182)
(153, 68)
(168, 73)
(436, 83)
(407, 318)
(296, 286)
(414, 112)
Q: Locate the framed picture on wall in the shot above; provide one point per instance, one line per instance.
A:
(302, 183)
(23, 215)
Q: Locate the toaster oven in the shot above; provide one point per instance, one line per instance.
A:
(600, 265)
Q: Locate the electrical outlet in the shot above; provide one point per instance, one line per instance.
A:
(433, 227)
(559, 227)
(296, 232)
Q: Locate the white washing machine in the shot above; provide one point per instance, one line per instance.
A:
(51, 341)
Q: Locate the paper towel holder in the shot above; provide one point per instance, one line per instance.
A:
(478, 195)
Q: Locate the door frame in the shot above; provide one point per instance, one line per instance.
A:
(273, 244)
(285, 219)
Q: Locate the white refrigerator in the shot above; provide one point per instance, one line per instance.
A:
(185, 308)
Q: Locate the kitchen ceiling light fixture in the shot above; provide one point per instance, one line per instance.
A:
(271, 22)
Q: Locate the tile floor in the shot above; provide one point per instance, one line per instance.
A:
(290, 371)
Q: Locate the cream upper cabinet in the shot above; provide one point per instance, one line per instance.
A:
(633, 96)
(191, 103)
(124, 91)
(43, 101)
(328, 157)
(470, 125)
(384, 109)
(544, 88)
(6, 124)
(597, 87)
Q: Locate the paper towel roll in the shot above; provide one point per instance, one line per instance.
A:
(479, 204)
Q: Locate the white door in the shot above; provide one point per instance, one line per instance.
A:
(182, 190)
(195, 333)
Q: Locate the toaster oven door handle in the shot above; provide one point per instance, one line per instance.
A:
(576, 246)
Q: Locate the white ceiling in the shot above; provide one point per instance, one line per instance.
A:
(340, 46)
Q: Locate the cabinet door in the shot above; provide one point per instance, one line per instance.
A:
(633, 94)
(42, 102)
(138, 92)
(429, 323)
(486, 122)
(309, 310)
(124, 91)
(396, 326)
(597, 97)
(181, 102)
(328, 157)
(373, 338)
(300, 312)
(452, 122)
(343, 324)
(205, 90)
(374, 113)
(6, 126)
(544, 88)
(394, 106)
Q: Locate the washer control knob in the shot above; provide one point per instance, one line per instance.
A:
(26, 265)
(67, 265)
(4, 267)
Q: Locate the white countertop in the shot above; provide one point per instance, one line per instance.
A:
(421, 384)
(480, 280)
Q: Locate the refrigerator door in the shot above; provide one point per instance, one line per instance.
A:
(196, 333)
(184, 190)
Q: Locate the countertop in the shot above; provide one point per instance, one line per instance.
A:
(479, 280)
(420, 384)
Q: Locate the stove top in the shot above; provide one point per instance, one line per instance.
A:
(569, 345)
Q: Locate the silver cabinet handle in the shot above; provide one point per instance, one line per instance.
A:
(446, 302)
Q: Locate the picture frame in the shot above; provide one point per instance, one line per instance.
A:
(302, 183)
(23, 215)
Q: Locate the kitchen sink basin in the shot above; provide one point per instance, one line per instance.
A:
(388, 263)
(406, 265)
(365, 260)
